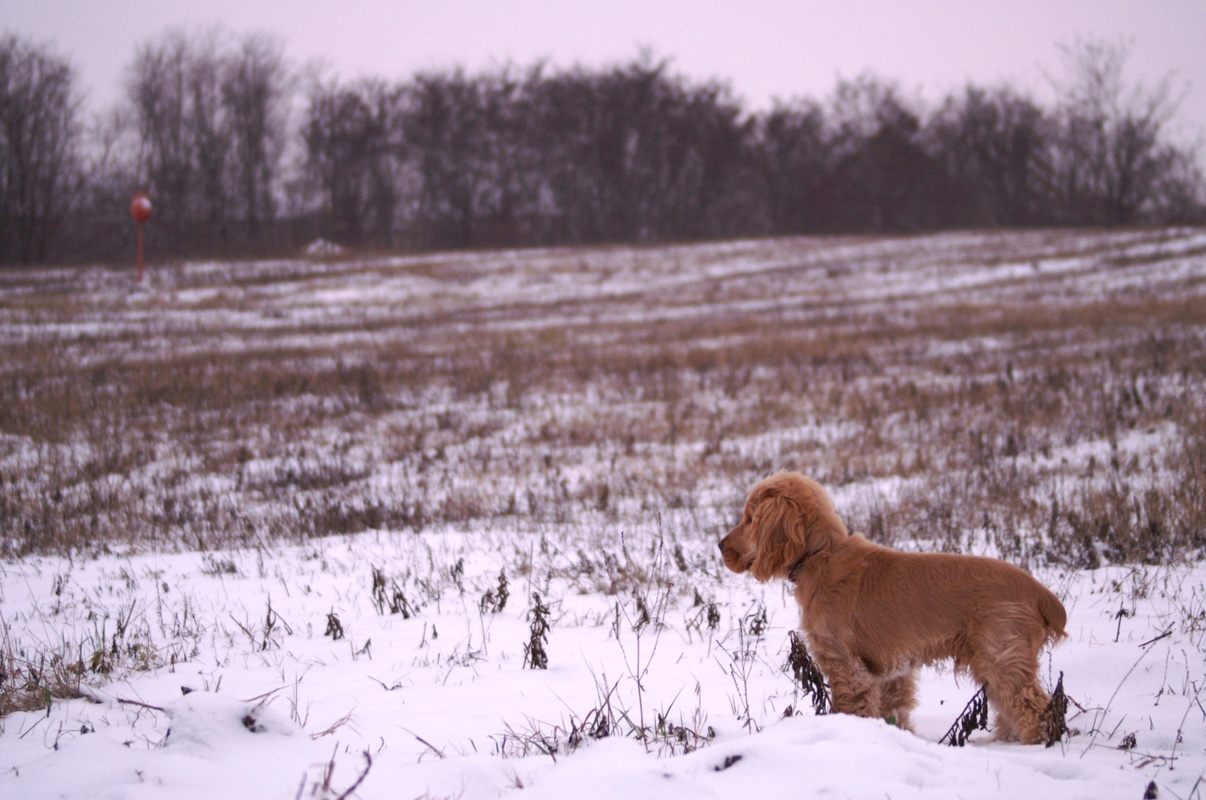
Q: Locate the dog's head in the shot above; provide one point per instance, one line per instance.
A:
(786, 519)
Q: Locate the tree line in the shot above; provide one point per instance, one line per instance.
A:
(243, 154)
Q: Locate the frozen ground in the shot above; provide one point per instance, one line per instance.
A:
(444, 707)
(291, 489)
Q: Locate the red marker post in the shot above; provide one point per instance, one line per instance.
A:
(140, 210)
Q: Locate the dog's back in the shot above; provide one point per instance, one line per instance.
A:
(900, 603)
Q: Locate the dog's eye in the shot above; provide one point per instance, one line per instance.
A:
(749, 519)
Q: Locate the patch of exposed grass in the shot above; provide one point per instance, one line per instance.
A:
(1048, 414)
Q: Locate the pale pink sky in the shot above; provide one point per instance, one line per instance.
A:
(763, 48)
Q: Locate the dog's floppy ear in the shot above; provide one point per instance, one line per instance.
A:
(779, 535)
(793, 518)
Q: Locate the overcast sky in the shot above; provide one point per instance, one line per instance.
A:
(763, 48)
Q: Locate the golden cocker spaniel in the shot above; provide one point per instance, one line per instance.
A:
(873, 616)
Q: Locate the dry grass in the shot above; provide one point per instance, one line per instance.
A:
(1051, 414)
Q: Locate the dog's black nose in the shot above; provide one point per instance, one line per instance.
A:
(720, 546)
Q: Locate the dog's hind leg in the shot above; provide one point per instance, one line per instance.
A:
(1020, 704)
(1019, 712)
(1014, 691)
(1029, 704)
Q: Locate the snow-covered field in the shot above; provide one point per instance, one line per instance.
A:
(258, 518)
(443, 706)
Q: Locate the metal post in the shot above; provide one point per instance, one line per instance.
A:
(140, 226)
(140, 210)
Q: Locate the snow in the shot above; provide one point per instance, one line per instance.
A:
(301, 679)
(321, 247)
(443, 706)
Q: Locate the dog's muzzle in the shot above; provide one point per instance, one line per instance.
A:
(733, 558)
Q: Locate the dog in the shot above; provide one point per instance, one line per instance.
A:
(873, 616)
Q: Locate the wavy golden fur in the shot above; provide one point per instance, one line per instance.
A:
(873, 616)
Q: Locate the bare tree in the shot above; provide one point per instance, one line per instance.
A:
(882, 178)
(516, 157)
(996, 145)
(508, 196)
(351, 155)
(39, 128)
(256, 92)
(794, 152)
(99, 226)
(211, 133)
(443, 127)
(1112, 156)
(862, 107)
(634, 153)
(158, 90)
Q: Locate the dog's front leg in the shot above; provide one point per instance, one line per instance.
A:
(853, 689)
(898, 697)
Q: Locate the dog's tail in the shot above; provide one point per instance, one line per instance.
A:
(1053, 613)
